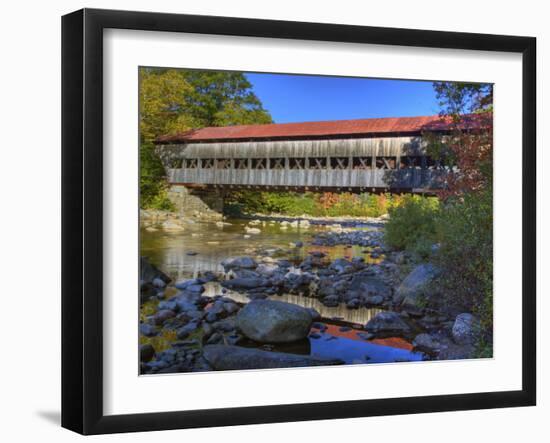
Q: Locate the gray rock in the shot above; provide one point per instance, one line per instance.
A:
(222, 357)
(267, 269)
(353, 304)
(147, 330)
(186, 301)
(195, 289)
(369, 286)
(185, 283)
(388, 323)
(226, 325)
(186, 330)
(426, 343)
(215, 338)
(245, 283)
(415, 285)
(269, 321)
(161, 316)
(341, 265)
(211, 317)
(239, 262)
(465, 328)
(314, 314)
(149, 272)
(168, 304)
(245, 273)
(230, 307)
(374, 299)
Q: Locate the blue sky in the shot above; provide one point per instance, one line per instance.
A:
(297, 98)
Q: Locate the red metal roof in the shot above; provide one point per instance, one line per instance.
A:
(334, 128)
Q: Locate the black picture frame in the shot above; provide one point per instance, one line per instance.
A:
(82, 218)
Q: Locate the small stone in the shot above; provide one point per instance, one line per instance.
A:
(161, 316)
(186, 330)
(147, 330)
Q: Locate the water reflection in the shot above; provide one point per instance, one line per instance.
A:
(211, 244)
(356, 352)
(356, 316)
(202, 247)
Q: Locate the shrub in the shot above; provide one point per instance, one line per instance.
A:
(313, 204)
(152, 184)
(161, 201)
(412, 224)
(466, 254)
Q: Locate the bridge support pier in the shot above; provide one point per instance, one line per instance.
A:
(204, 204)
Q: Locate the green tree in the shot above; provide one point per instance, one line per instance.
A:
(174, 101)
(465, 223)
(223, 99)
(163, 103)
(457, 98)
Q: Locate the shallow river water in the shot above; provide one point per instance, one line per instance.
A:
(203, 246)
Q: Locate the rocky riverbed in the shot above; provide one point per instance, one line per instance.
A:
(269, 293)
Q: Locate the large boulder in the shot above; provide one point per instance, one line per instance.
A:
(387, 323)
(222, 357)
(415, 286)
(270, 321)
(239, 263)
(465, 328)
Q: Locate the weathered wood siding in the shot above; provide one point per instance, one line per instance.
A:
(383, 146)
(403, 178)
(196, 163)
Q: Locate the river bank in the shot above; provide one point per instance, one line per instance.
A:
(364, 302)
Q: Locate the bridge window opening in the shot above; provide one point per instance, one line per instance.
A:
(223, 163)
(386, 162)
(339, 162)
(318, 163)
(277, 163)
(190, 163)
(296, 163)
(207, 163)
(259, 163)
(241, 163)
(362, 163)
(411, 162)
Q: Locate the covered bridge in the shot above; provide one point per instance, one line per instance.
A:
(374, 155)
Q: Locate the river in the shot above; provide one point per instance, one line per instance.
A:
(203, 246)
